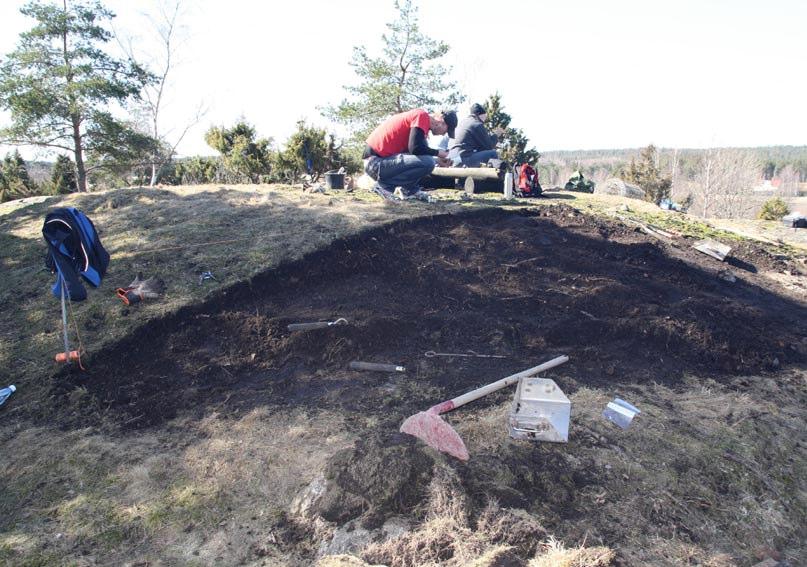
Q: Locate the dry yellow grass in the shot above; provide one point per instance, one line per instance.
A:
(204, 492)
(555, 554)
(447, 538)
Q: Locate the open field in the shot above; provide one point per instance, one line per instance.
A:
(204, 433)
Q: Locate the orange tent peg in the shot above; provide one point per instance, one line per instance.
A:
(63, 357)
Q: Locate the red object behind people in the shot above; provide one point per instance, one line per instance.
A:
(392, 136)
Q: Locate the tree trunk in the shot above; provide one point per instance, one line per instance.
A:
(707, 195)
(75, 119)
(673, 170)
(154, 170)
(81, 172)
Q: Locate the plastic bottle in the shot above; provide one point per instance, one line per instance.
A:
(6, 392)
(508, 185)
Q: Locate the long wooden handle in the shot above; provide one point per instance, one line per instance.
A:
(308, 326)
(376, 367)
(498, 385)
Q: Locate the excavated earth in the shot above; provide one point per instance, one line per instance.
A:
(528, 285)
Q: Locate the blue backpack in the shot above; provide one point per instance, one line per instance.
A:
(74, 249)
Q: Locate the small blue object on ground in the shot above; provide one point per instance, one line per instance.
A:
(6, 392)
(620, 412)
(207, 276)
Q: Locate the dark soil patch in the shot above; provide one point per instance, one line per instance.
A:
(527, 285)
(524, 285)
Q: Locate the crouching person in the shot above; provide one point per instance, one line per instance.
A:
(474, 145)
(398, 156)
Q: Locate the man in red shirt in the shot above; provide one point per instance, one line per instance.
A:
(397, 155)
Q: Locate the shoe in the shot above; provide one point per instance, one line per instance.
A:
(423, 196)
(383, 193)
(400, 194)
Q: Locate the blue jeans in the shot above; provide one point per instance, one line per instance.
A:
(475, 159)
(400, 170)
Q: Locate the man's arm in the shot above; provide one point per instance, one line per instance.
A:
(418, 145)
(483, 139)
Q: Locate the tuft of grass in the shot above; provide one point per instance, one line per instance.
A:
(447, 537)
(90, 517)
(184, 505)
(555, 554)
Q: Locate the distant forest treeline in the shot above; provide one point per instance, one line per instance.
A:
(712, 182)
(600, 164)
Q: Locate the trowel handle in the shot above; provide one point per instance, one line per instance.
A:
(356, 365)
(503, 383)
(309, 326)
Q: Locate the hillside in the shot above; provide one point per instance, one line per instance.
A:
(204, 432)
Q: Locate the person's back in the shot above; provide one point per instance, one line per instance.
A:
(472, 136)
(473, 144)
(392, 136)
(397, 155)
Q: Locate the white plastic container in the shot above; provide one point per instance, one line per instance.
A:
(620, 412)
(540, 411)
(508, 185)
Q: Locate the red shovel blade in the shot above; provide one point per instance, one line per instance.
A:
(430, 428)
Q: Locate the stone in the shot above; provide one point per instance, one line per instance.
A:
(305, 503)
(615, 186)
(350, 538)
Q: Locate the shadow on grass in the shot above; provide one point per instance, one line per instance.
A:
(232, 232)
(524, 286)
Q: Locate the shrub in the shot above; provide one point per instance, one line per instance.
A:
(646, 174)
(245, 157)
(196, 170)
(311, 151)
(773, 209)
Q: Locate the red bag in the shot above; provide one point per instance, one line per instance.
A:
(528, 185)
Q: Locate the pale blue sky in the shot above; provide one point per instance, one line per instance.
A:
(574, 75)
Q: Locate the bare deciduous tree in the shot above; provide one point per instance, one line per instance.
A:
(673, 170)
(165, 26)
(789, 185)
(724, 184)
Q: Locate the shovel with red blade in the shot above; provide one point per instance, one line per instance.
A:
(430, 428)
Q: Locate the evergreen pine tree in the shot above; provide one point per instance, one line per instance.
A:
(63, 177)
(15, 182)
(59, 86)
(514, 141)
(406, 75)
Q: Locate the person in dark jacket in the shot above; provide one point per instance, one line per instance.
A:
(473, 144)
(397, 155)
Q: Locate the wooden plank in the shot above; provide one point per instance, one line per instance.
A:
(476, 172)
(712, 248)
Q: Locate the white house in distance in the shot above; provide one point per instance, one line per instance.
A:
(768, 186)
